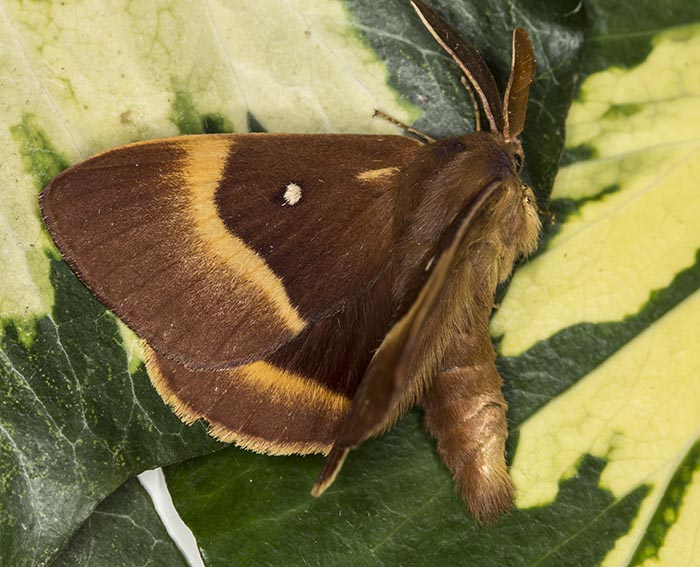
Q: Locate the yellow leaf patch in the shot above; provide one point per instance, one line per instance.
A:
(608, 258)
(637, 225)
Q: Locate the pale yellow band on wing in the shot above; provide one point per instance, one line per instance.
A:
(275, 384)
(295, 388)
(203, 173)
(376, 174)
(290, 390)
(265, 446)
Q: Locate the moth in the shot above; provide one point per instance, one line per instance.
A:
(301, 292)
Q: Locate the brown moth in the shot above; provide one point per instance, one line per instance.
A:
(301, 292)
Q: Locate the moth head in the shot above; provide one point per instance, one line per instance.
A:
(516, 154)
(445, 178)
(506, 119)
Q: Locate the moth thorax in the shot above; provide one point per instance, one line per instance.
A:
(518, 228)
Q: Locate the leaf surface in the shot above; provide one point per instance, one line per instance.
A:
(597, 333)
(123, 531)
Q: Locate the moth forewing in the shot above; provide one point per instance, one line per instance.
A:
(171, 237)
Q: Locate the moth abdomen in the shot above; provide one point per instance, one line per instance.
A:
(466, 413)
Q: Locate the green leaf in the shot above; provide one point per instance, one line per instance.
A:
(393, 504)
(603, 401)
(75, 422)
(123, 531)
(600, 329)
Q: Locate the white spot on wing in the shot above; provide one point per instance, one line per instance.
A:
(292, 194)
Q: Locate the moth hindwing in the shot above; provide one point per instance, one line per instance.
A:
(301, 292)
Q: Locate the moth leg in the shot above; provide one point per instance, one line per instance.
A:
(466, 413)
(547, 213)
(383, 115)
(477, 115)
